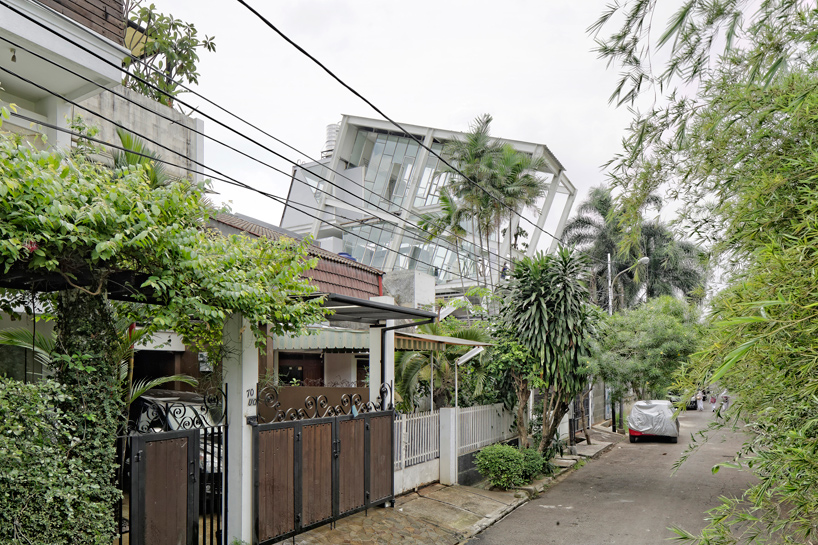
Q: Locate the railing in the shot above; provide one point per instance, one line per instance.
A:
(484, 425)
(417, 438)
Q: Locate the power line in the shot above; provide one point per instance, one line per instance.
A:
(225, 178)
(401, 220)
(487, 250)
(396, 124)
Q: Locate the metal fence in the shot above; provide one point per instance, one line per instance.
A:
(484, 425)
(417, 438)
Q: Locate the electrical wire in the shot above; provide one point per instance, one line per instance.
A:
(224, 178)
(396, 124)
(402, 220)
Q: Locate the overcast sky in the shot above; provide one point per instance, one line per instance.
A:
(528, 63)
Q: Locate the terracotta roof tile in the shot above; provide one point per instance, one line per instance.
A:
(332, 274)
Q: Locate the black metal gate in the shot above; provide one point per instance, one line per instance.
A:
(318, 464)
(173, 470)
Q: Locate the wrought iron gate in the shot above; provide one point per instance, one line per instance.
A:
(321, 463)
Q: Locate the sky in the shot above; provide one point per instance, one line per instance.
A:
(528, 63)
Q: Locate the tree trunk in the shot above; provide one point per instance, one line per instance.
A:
(554, 410)
(523, 391)
(85, 336)
(583, 396)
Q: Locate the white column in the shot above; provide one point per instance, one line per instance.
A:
(375, 379)
(448, 445)
(546, 208)
(58, 113)
(241, 375)
(566, 210)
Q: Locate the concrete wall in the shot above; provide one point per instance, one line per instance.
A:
(412, 289)
(169, 127)
(412, 478)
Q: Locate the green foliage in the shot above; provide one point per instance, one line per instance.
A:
(643, 348)
(413, 370)
(515, 371)
(86, 223)
(169, 53)
(546, 306)
(533, 463)
(740, 155)
(502, 465)
(46, 494)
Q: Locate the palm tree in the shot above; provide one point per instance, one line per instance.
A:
(447, 224)
(475, 157)
(515, 186)
(676, 267)
(596, 231)
(411, 367)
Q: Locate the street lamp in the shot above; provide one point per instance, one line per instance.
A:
(640, 261)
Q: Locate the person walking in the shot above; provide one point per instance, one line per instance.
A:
(725, 401)
(699, 400)
(713, 402)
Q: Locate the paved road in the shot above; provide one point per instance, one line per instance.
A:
(628, 496)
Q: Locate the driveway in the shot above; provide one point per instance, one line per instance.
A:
(629, 495)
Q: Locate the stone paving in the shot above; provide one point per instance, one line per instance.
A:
(441, 515)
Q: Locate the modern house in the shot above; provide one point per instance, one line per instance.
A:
(373, 181)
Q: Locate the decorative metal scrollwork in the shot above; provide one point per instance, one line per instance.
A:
(156, 413)
(320, 407)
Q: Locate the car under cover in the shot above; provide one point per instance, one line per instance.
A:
(653, 417)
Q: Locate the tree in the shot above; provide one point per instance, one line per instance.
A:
(167, 53)
(545, 304)
(66, 217)
(447, 224)
(738, 150)
(412, 366)
(475, 157)
(510, 361)
(643, 348)
(675, 267)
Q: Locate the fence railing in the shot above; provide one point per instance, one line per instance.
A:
(417, 438)
(484, 425)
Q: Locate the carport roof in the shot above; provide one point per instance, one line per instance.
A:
(353, 309)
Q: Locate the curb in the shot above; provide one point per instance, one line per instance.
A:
(533, 491)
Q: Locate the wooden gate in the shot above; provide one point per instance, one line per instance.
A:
(164, 471)
(317, 469)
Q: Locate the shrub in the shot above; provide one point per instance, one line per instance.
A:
(46, 493)
(532, 463)
(502, 465)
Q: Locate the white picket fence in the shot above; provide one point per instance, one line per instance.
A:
(484, 425)
(417, 438)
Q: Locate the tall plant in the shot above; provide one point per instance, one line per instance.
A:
(546, 305)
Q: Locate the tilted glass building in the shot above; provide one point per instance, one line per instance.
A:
(365, 195)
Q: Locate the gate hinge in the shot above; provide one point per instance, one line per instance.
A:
(252, 420)
(137, 457)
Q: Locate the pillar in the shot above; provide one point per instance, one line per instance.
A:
(448, 445)
(240, 367)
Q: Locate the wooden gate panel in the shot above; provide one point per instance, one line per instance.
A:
(316, 467)
(276, 485)
(164, 477)
(381, 465)
(351, 465)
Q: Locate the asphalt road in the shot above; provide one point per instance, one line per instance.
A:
(629, 495)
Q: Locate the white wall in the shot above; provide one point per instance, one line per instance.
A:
(411, 478)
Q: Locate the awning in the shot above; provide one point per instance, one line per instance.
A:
(328, 339)
(419, 341)
(353, 309)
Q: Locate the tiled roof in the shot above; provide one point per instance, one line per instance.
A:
(332, 274)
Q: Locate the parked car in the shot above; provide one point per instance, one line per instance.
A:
(653, 419)
(168, 410)
(675, 399)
